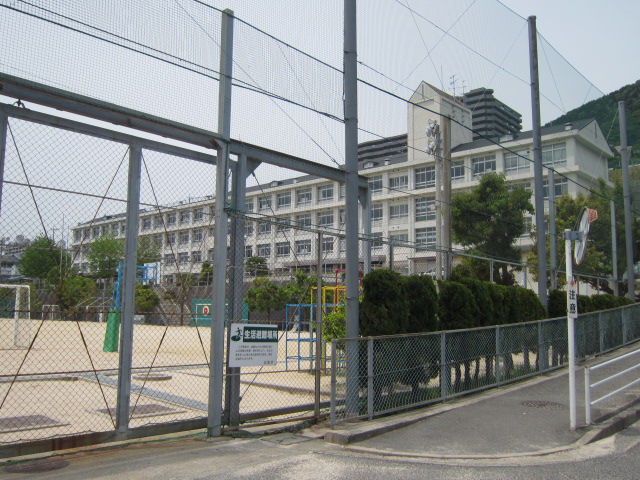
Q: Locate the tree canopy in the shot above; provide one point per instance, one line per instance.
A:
(490, 218)
(106, 251)
(40, 257)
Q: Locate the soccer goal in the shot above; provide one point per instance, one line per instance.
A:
(15, 308)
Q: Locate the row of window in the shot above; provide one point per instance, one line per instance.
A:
(170, 219)
(423, 236)
(302, 196)
(284, 249)
(519, 162)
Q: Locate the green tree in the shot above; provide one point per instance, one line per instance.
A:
(206, 274)
(299, 290)
(266, 296)
(146, 298)
(256, 266)
(70, 289)
(180, 291)
(105, 252)
(40, 257)
(490, 218)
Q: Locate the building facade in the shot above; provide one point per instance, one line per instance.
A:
(281, 217)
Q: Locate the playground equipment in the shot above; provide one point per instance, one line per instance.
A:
(144, 273)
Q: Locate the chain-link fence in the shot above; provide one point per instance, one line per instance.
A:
(406, 371)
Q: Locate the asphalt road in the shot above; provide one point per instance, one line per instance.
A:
(290, 456)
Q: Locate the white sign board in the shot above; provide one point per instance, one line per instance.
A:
(253, 345)
(572, 299)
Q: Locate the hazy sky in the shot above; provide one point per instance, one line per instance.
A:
(600, 39)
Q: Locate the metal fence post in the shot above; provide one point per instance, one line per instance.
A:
(4, 122)
(543, 352)
(370, 374)
(334, 371)
(445, 372)
(587, 395)
(498, 356)
(601, 332)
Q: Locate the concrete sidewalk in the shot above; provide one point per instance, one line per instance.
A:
(522, 419)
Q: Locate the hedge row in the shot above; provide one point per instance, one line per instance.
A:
(396, 304)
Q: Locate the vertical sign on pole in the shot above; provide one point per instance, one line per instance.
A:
(587, 216)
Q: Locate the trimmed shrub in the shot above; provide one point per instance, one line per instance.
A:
(457, 307)
(585, 305)
(557, 304)
(481, 292)
(384, 309)
(422, 299)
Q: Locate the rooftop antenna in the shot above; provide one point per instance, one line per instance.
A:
(452, 82)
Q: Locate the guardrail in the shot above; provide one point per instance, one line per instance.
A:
(588, 386)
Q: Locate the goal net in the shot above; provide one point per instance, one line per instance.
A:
(15, 317)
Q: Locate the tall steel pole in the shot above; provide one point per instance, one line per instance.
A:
(552, 229)
(127, 305)
(216, 374)
(3, 146)
(352, 226)
(537, 162)
(614, 248)
(628, 223)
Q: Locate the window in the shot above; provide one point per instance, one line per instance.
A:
(264, 203)
(482, 165)
(196, 256)
(212, 212)
(457, 171)
(398, 211)
(146, 223)
(514, 163)
(183, 257)
(325, 219)
(197, 235)
(210, 254)
(426, 236)
(248, 206)
(115, 229)
(342, 190)
(264, 228)
(425, 209)
(398, 238)
(325, 193)
(123, 228)
(342, 216)
(399, 183)
(105, 229)
(264, 250)
(77, 235)
(185, 218)
(248, 251)
(283, 200)
(157, 240)
(303, 247)
(158, 221)
(528, 225)
(375, 185)
(303, 196)
(304, 220)
(376, 241)
(171, 218)
(169, 259)
(424, 177)
(96, 232)
(327, 244)
(248, 229)
(198, 214)
(283, 225)
(554, 155)
(561, 187)
(283, 249)
(171, 238)
(184, 237)
(376, 212)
